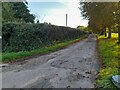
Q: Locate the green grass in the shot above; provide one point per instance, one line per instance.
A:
(109, 52)
(14, 56)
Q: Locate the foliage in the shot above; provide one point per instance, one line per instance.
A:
(109, 56)
(117, 19)
(117, 14)
(7, 12)
(16, 11)
(101, 15)
(83, 28)
(25, 37)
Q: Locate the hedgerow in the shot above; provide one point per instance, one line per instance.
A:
(25, 37)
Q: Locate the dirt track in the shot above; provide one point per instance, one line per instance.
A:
(73, 67)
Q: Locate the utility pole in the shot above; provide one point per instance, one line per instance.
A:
(66, 20)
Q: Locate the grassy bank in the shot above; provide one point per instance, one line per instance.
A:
(14, 56)
(109, 52)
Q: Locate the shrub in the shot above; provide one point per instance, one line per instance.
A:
(25, 37)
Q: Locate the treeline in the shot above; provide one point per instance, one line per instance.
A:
(102, 16)
(21, 33)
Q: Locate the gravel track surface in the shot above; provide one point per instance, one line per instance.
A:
(76, 66)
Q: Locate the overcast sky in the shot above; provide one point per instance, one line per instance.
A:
(54, 11)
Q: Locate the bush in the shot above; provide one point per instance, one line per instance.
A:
(25, 37)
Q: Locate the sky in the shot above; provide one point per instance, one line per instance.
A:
(54, 12)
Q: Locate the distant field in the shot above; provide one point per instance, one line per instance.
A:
(114, 35)
(109, 56)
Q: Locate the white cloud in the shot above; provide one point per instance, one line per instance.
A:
(58, 16)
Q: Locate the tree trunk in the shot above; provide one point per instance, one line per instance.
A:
(109, 32)
(105, 31)
(119, 34)
(102, 33)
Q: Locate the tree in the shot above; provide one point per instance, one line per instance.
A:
(83, 28)
(7, 12)
(92, 11)
(99, 14)
(117, 19)
(17, 11)
(22, 13)
(38, 21)
(0, 22)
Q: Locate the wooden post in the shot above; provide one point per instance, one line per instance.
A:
(66, 20)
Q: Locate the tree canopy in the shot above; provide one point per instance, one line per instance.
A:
(101, 15)
(16, 11)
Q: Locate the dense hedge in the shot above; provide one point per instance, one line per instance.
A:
(26, 37)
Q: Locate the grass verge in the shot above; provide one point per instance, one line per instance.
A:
(15, 56)
(109, 52)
